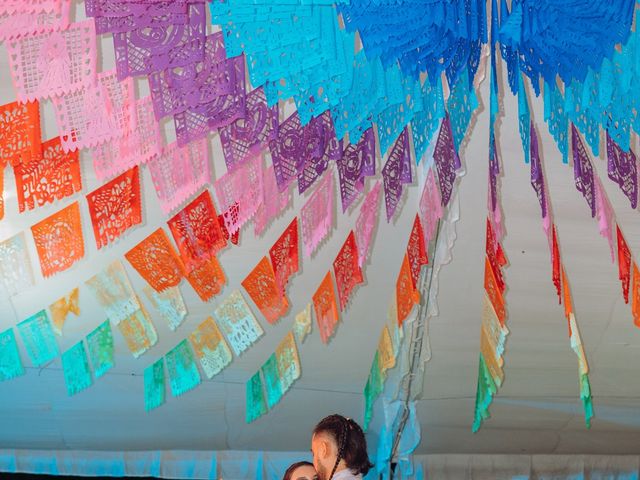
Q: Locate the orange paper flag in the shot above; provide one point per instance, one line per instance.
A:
(406, 294)
(207, 279)
(324, 303)
(19, 132)
(624, 264)
(635, 295)
(347, 270)
(494, 293)
(261, 286)
(416, 250)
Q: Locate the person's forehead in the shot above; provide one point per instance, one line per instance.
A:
(305, 472)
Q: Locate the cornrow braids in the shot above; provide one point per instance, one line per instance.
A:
(342, 444)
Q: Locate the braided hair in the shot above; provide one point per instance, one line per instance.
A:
(349, 438)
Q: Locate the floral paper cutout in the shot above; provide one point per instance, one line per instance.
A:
(207, 279)
(256, 405)
(15, 266)
(38, 338)
(59, 240)
(263, 289)
(114, 292)
(272, 203)
(316, 216)
(169, 304)
(138, 332)
(288, 361)
(583, 170)
(10, 362)
(75, 366)
(284, 255)
(416, 251)
(156, 261)
(53, 176)
(210, 348)
(302, 324)
(366, 223)
(396, 173)
(347, 270)
(406, 294)
(624, 264)
(62, 307)
(324, 303)
(19, 132)
(237, 322)
(446, 160)
(357, 161)
(154, 385)
(183, 371)
(115, 207)
(322, 147)
(101, 351)
(272, 382)
(622, 168)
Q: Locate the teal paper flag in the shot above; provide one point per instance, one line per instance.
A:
(100, 343)
(256, 406)
(585, 396)
(183, 371)
(372, 390)
(272, 381)
(10, 363)
(75, 365)
(39, 339)
(154, 385)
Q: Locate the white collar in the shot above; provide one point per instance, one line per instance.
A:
(345, 474)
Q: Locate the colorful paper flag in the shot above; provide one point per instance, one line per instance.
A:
(101, 351)
(183, 371)
(210, 348)
(39, 339)
(154, 388)
(75, 365)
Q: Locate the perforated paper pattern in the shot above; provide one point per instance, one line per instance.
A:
(357, 161)
(210, 348)
(272, 202)
(139, 332)
(15, 266)
(366, 223)
(75, 366)
(261, 286)
(207, 279)
(316, 216)
(19, 132)
(288, 361)
(235, 319)
(182, 368)
(10, 362)
(154, 385)
(347, 270)
(416, 251)
(38, 338)
(169, 303)
(284, 255)
(406, 294)
(62, 307)
(326, 309)
(114, 292)
(101, 349)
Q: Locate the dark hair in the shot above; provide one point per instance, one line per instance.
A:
(292, 468)
(349, 437)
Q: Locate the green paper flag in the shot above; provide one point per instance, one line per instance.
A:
(100, 343)
(585, 396)
(77, 375)
(183, 371)
(484, 394)
(372, 390)
(272, 381)
(256, 405)
(39, 339)
(10, 363)
(154, 385)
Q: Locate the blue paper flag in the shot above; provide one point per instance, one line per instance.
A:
(100, 343)
(272, 381)
(39, 339)
(10, 363)
(154, 385)
(75, 365)
(256, 405)
(182, 368)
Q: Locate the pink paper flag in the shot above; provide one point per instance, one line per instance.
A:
(29, 18)
(273, 202)
(430, 206)
(606, 219)
(316, 216)
(366, 223)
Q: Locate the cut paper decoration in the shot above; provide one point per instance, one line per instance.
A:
(416, 251)
(238, 324)
(256, 405)
(197, 232)
(179, 172)
(39, 339)
(261, 286)
(406, 294)
(59, 240)
(372, 390)
(207, 279)
(635, 295)
(95, 113)
(52, 176)
(115, 207)
(239, 193)
(114, 292)
(156, 261)
(347, 270)
(386, 355)
(183, 371)
(302, 324)
(316, 216)
(169, 304)
(622, 168)
(62, 307)
(101, 351)
(16, 275)
(233, 213)
(425, 122)
(154, 385)
(430, 207)
(2, 192)
(288, 362)
(289, 150)
(54, 63)
(75, 366)
(326, 309)
(272, 203)
(583, 170)
(25, 20)
(10, 362)
(446, 160)
(606, 219)
(284, 255)
(272, 381)
(366, 223)
(138, 332)
(19, 133)
(357, 161)
(537, 173)
(624, 264)
(141, 143)
(494, 292)
(396, 173)
(555, 262)
(210, 348)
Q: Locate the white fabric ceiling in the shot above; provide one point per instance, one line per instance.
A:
(536, 411)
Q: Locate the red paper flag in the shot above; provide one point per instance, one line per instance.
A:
(324, 303)
(347, 270)
(19, 132)
(624, 264)
(406, 294)
(494, 293)
(417, 250)
(235, 238)
(555, 261)
(495, 255)
(261, 286)
(635, 303)
(284, 255)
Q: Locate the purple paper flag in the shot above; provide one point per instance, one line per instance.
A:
(622, 168)
(446, 160)
(288, 151)
(537, 174)
(322, 147)
(583, 170)
(393, 175)
(357, 161)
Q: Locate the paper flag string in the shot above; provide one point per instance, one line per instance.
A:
(347, 270)
(316, 215)
(114, 292)
(183, 371)
(284, 255)
(95, 113)
(115, 207)
(75, 366)
(583, 170)
(169, 304)
(154, 387)
(406, 294)
(256, 404)
(52, 176)
(322, 146)
(237, 322)
(24, 20)
(357, 161)
(197, 232)
(366, 223)
(326, 309)
(210, 348)
(635, 295)
(396, 172)
(39, 339)
(416, 251)
(272, 381)
(261, 286)
(302, 324)
(622, 168)
(101, 351)
(59, 240)
(272, 203)
(10, 362)
(624, 264)
(138, 332)
(15, 266)
(446, 160)
(288, 362)
(207, 279)
(178, 173)
(430, 206)
(156, 261)
(19, 132)
(61, 308)
(54, 63)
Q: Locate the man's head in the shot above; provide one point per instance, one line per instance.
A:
(339, 443)
(300, 471)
